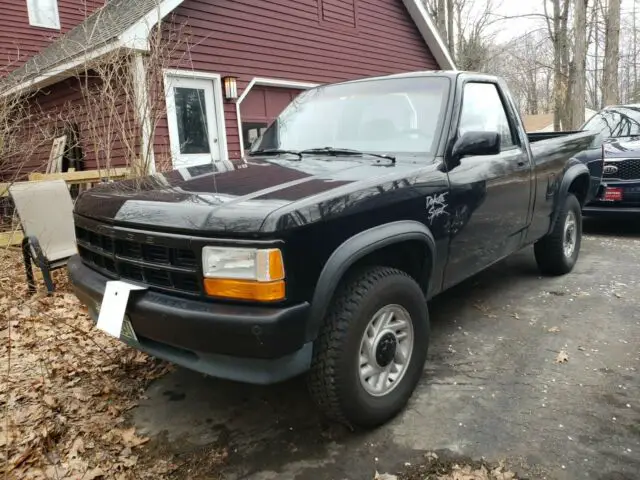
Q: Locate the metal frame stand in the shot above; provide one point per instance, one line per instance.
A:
(32, 253)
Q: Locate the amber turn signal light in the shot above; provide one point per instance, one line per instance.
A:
(245, 289)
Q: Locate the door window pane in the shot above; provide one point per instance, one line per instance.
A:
(192, 120)
(251, 131)
(482, 111)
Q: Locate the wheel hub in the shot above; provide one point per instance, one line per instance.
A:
(386, 349)
(570, 235)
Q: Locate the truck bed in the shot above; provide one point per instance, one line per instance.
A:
(538, 136)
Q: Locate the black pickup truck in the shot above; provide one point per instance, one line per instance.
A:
(318, 255)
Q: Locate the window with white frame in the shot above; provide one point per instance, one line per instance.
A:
(43, 13)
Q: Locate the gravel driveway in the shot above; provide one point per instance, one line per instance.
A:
(543, 372)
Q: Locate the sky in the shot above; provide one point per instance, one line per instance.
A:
(515, 27)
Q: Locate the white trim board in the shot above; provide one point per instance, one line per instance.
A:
(267, 82)
(141, 98)
(216, 79)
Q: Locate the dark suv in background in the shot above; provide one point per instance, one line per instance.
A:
(620, 192)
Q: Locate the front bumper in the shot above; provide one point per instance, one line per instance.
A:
(618, 209)
(247, 343)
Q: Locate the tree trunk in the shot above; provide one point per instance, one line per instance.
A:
(579, 73)
(450, 35)
(557, 26)
(441, 19)
(611, 54)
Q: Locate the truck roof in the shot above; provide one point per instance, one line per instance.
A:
(426, 73)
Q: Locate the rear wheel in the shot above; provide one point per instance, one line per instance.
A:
(557, 252)
(371, 350)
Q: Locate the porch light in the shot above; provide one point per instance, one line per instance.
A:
(230, 87)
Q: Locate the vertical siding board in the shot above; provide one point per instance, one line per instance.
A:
(290, 40)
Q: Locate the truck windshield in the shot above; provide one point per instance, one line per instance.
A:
(615, 122)
(398, 115)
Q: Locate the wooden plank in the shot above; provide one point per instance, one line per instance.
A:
(13, 237)
(57, 153)
(88, 176)
(83, 176)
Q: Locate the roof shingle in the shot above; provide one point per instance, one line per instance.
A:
(100, 28)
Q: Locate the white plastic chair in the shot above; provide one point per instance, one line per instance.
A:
(45, 210)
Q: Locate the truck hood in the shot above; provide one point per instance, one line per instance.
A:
(624, 147)
(241, 200)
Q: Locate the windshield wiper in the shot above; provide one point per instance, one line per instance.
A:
(346, 151)
(275, 151)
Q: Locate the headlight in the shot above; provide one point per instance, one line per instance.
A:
(243, 273)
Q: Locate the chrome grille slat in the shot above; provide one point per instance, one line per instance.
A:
(168, 268)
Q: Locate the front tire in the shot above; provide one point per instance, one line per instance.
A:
(371, 350)
(557, 252)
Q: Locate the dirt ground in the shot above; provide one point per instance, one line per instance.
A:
(540, 372)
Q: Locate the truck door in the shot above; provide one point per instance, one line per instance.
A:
(490, 195)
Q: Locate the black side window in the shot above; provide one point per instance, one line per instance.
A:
(482, 110)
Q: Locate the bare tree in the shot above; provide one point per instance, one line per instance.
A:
(610, 90)
(450, 32)
(557, 28)
(465, 26)
(578, 77)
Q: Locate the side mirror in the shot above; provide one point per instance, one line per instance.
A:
(474, 143)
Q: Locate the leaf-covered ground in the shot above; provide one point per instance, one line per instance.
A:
(65, 388)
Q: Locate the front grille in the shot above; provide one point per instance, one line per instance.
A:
(627, 170)
(154, 265)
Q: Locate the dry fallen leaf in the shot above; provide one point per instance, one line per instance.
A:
(562, 357)
(554, 330)
(130, 439)
(49, 400)
(385, 476)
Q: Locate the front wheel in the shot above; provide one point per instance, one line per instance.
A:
(557, 252)
(371, 350)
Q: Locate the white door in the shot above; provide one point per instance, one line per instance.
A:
(193, 125)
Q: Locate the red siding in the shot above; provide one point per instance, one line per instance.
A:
(303, 40)
(263, 104)
(19, 41)
(55, 107)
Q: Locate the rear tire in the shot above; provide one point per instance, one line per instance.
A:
(371, 349)
(557, 252)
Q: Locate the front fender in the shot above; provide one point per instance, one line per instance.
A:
(575, 171)
(352, 250)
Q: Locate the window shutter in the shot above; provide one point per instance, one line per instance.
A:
(342, 12)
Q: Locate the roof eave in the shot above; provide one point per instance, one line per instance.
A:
(135, 38)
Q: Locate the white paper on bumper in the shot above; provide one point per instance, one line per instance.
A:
(114, 304)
